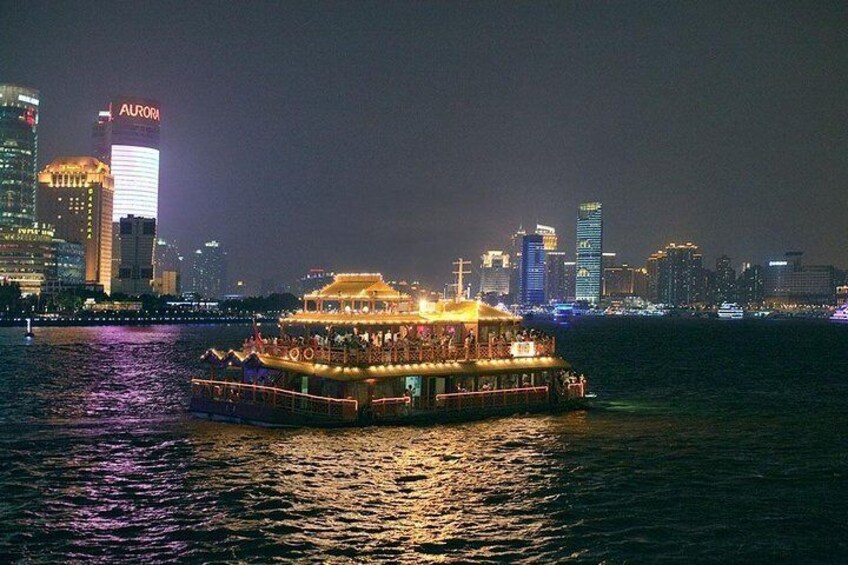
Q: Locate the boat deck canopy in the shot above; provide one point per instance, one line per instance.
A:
(442, 312)
(456, 368)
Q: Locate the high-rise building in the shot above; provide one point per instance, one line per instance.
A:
(556, 273)
(652, 272)
(136, 237)
(532, 288)
(640, 283)
(166, 256)
(209, 271)
(516, 241)
(679, 274)
(167, 268)
(725, 280)
(749, 284)
(18, 155)
(494, 273)
(126, 137)
(589, 252)
(75, 196)
(549, 237)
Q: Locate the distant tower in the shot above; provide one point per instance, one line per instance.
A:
(589, 252)
(725, 280)
(549, 237)
(18, 155)
(680, 272)
(75, 196)
(494, 273)
(532, 288)
(209, 271)
(126, 137)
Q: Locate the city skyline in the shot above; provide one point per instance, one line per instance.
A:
(667, 155)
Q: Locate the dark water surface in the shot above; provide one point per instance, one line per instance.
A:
(723, 442)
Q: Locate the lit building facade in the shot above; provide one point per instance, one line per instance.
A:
(495, 273)
(532, 288)
(75, 196)
(18, 155)
(136, 237)
(209, 271)
(549, 237)
(590, 229)
(34, 259)
(679, 275)
(126, 137)
(789, 282)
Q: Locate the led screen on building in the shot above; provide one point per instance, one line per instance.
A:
(136, 173)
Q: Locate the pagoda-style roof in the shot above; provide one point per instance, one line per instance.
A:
(338, 373)
(364, 286)
(442, 312)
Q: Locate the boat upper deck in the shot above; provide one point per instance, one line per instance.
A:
(356, 352)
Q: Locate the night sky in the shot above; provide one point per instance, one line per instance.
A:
(397, 136)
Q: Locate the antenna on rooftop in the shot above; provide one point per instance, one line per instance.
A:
(460, 272)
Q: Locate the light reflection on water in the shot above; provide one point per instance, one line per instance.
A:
(100, 461)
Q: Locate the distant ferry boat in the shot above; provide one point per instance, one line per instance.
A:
(362, 353)
(841, 314)
(730, 311)
(563, 312)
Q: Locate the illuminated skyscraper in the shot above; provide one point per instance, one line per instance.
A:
(126, 137)
(75, 196)
(18, 155)
(494, 273)
(549, 236)
(589, 276)
(532, 291)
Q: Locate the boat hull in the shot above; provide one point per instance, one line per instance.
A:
(267, 416)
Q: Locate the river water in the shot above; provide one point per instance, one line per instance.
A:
(710, 441)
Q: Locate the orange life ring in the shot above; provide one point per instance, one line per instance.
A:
(294, 353)
(308, 354)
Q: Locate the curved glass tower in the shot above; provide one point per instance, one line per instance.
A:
(126, 137)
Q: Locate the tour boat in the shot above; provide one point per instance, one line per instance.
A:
(362, 353)
(730, 311)
(841, 314)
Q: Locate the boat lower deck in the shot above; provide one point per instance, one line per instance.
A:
(271, 406)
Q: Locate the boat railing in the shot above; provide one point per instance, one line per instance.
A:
(391, 407)
(524, 396)
(404, 352)
(343, 409)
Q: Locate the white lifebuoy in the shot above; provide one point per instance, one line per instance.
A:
(308, 354)
(294, 353)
